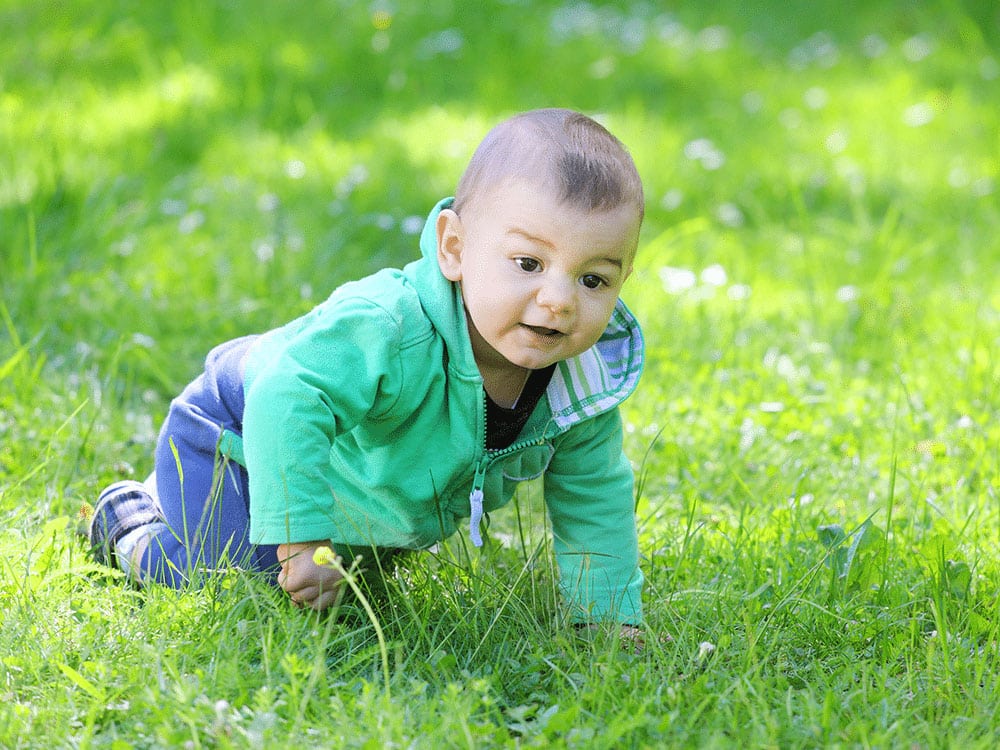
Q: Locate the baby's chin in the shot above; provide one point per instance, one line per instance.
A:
(536, 361)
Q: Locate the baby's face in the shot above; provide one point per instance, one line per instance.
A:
(539, 278)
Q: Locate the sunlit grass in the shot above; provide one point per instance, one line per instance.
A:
(817, 433)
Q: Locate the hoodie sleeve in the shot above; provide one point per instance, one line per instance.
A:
(321, 377)
(589, 496)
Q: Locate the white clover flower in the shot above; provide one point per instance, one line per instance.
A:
(677, 280)
(848, 293)
(738, 292)
(916, 48)
(714, 275)
(267, 202)
(704, 151)
(672, 199)
(918, 115)
(730, 215)
(295, 169)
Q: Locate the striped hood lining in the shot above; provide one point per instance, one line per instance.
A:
(603, 376)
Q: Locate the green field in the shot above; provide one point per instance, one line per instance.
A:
(817, 433)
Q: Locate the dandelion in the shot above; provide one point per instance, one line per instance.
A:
(325, 556)
(381, 18)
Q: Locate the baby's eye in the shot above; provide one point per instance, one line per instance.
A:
(592, 281)
(527, 264)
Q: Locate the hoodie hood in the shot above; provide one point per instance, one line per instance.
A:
(440, 298)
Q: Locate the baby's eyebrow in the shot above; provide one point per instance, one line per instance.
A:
(530, 237)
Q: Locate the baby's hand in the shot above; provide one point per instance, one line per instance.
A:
(308, 583)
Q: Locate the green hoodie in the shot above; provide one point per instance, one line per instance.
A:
(365, 424)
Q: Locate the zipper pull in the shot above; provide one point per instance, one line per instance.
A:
(476, 504)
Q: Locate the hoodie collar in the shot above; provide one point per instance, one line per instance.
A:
(441, 298)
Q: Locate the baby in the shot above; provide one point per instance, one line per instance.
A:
(413, 401)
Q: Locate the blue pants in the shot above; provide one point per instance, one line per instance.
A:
(205, 496)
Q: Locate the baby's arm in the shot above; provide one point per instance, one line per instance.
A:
(308, 584)
(588, 493)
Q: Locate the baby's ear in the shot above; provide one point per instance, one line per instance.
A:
(449, 244)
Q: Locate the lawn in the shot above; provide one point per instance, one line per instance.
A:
(816, 436)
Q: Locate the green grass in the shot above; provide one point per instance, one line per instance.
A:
(817, 432)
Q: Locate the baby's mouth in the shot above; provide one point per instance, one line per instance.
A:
(543, 331)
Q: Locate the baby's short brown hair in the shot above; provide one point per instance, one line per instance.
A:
(585, 164)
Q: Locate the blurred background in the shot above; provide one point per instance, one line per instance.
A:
(821, 182)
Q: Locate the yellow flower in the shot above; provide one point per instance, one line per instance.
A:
(324, 556)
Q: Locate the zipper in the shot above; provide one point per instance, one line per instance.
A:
(476, 501)
(479, 479)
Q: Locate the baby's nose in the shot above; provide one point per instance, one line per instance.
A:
(557, 294)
